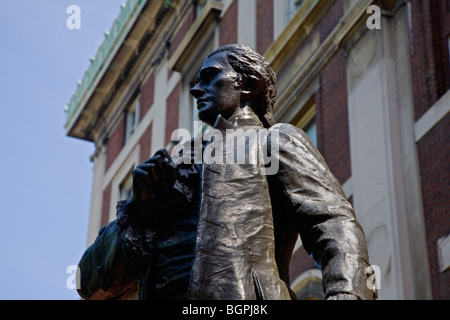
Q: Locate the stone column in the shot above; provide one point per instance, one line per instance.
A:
(385, 171)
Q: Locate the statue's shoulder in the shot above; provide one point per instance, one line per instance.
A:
(285, 127)
(288, 131)
(292, 139)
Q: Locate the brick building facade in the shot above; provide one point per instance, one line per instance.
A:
(375, 102)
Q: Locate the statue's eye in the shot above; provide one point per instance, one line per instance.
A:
(208, 74)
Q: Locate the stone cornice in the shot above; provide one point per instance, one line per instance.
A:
(100, 65)
(196, 33)
(349, 26)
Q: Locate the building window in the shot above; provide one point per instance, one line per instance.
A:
(311, 290)
(292, 8)
(308, 286)
(306, 121)
(132, 119)
(199, 5)
(126, 188)
(284, 11)
(311, 131)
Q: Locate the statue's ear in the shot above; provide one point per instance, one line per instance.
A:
(247, 86)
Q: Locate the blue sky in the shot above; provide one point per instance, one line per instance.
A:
(45, 176)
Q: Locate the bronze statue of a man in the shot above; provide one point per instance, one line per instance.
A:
(214, 229)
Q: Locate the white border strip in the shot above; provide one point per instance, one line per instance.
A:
(432, 117)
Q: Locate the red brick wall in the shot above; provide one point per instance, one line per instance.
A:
(329, 21)
(264, 23)
(173, 102)
(324, 27)
(331, 101)
(446, 33)
(147, 96)
(445, 11)
(440, 15)
(228, 25)
(105, 206)
(430, 80)
(146, 144)
(434, 162)
(116, 142)
(423, 58)
(332, 118)
(181, 32)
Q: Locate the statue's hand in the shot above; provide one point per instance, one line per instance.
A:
(153, 177)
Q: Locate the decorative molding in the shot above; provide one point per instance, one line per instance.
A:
(349, 25)
(152, 26)
(303, 102)
(312, 274)
(295, 32)
(361, 60)
(196, 34)
(379, 234)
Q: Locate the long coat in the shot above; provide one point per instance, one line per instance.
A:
(227, 230)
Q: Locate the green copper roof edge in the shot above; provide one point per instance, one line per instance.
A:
(113, 39)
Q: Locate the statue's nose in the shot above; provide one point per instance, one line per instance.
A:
(196, 91)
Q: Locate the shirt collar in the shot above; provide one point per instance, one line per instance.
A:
(243, 117)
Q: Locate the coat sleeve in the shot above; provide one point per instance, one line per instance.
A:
(319, 211)
(111, 266)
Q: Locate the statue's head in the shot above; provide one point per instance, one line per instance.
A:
(235, 76)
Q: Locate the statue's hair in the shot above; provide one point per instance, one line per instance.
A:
(254, 68)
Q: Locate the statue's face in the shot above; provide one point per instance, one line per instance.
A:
(216, 90)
